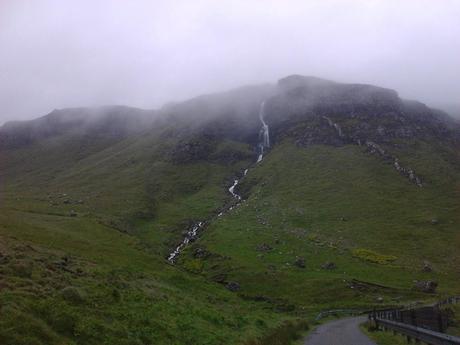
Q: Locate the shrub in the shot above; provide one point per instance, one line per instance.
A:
(72, 294)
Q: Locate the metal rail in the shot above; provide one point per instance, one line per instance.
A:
(418, 334)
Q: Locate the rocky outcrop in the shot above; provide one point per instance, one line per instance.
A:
(407, 172)
(316, 111)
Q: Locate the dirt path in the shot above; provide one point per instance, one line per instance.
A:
(339, 332)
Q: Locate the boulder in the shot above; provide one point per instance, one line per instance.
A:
(427, 267)
(300, 262)
(427, 286)
(233, 286)
(328, 266)
(201, 253)
(264, 247)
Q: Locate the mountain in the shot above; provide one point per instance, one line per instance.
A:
(348, 193)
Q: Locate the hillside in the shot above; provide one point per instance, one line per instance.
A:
(355, 197)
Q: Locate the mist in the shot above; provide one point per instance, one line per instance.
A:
(57, 54)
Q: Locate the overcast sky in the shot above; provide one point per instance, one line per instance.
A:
(56, 53)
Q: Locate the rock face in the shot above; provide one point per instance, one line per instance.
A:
(358, 112)
(315, 111)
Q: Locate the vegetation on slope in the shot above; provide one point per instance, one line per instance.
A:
(88, 216)
(323, 205)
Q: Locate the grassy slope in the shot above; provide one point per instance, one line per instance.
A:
(296, 201)
(136, 203)
(121, 289)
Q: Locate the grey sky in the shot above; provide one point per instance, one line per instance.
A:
(63, 53)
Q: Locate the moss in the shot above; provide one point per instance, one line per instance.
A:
(372, 256)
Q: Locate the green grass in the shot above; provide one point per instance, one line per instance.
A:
(132, 205)
(101, 277)
(383, 337)
(328, 204)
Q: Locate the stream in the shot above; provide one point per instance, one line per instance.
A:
(192, 234)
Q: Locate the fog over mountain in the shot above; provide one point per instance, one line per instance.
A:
(57, 54)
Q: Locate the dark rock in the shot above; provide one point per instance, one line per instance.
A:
(427, 267)
(427, 286)
(328, 266)
(264, 247)
(72, 213)
(434, 221)
(300, 262)
(66, 201)
(201, 253)
(233, 286)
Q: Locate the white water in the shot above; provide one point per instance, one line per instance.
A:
(232, 190)
(192, 234)
(264, 133)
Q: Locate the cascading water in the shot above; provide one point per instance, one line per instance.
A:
(189, 236)
(264, 133)
(264, 143)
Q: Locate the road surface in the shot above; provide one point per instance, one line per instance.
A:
(340, 332)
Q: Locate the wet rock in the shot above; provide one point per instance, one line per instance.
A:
(379, 299)
(434, 221)
(66, 201)
(328, 266)
(264, 247)
(233, 286)
(427, 286)
(300, 262)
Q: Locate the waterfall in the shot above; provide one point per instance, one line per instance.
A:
(264, 133)
(191, 235)
(232, 190)
(193, 232)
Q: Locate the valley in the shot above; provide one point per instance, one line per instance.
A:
(225, 217)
